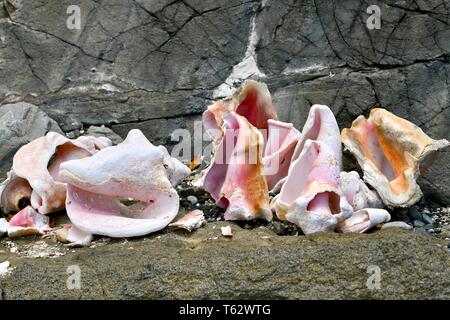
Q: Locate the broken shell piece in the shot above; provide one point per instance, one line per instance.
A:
(363, 220)
(252, 101)
(191, 221)
(358, 195)
(235, 178)
(321, 125)
(226, 231)
(311, 197)
(3, 227)
(124, 190)
(4, 268)
(34, 176)
(280, 146)
(391, 152)
(73, 236)
(27, 222)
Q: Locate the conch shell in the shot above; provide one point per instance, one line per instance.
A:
(235, 178)
(125, 190)
(34, 176)
(311, 197)
(358, 195)
(253, 101)
(391, 152)
(281, 142)
(366, 204)
(321, 126)
(363, 220)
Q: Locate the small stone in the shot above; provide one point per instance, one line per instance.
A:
(431, 231)
(427, 219)
(418, 223)
(192, 199)
(414, 214)
(396, 224)
(428, 226)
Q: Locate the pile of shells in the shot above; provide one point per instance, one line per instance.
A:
(261, 168)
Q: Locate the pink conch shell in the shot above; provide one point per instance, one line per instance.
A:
(391, 152)
(34, 176)
(191, 221)
(253, 101)
(311, 196)
(27, 222)
(358, 195)
(124, 190)
(363, 220)
(280, 146)
(321, 126)
(235, 178)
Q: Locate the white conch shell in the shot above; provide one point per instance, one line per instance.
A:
(321, 126)
(363, 220)
(252, 101)
(34, 175)
(235, 178)
(311, 196)
(391, 152)
(124, 190)
(191, 221)
(280, 146)
(358, 195)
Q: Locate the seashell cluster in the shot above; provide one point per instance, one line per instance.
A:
(34, 178)
(260, 167)
(118, 191)
(304, 169)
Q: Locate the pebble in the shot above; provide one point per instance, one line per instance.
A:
(418, 223)
(414, 214)
(396, 224)
(192, 199)
(427, 219)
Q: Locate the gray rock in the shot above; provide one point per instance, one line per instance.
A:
(192, 199)
(255, 264)
(103, 131)
(396, 224)
(21, 123)
(418, 223)
(415, 214)
(427, 219)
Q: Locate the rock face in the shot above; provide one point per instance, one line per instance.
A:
(156, 65)
(253, 264)
(21, 123)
